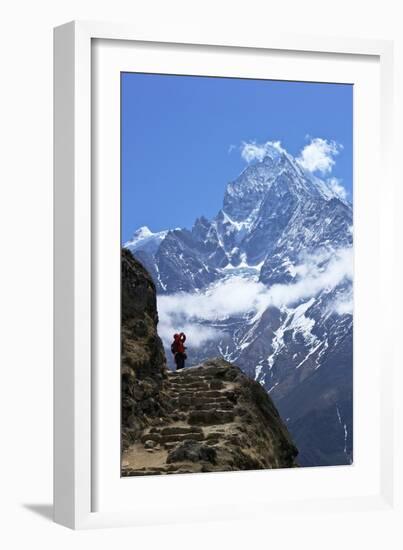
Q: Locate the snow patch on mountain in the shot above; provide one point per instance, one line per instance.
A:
(295, 322)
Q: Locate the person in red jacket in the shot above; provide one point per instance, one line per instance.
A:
(178, 350)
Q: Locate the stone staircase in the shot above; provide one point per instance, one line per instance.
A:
(206, 417)
(201, 399)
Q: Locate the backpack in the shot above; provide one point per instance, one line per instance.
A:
(174, 347)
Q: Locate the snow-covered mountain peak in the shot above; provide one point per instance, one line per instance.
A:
(142, 232)
(277, 173)
(145, 239)
(277, 164)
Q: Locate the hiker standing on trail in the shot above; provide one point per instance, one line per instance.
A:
(178, 349)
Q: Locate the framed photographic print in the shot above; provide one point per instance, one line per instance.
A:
(219, 225)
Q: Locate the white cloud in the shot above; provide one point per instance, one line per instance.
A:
(337, 188)
(343, 304)
(344, 307)
(237, 296)
(251, 151)
(318, 155)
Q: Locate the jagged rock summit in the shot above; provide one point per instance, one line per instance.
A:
(210, 417)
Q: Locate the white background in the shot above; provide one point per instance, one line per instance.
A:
(26, 274)
(110, 492)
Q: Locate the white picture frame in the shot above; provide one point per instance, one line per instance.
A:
(78, 208)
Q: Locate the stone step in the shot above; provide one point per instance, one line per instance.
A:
(214, 436)
(181, 470)
(179, 383)
(179, 410)
(190, 398)
(188, 388)
(212, 405)
(189, 374)
(212, 370)
(210, 400)
(185, 393)
(216, 385)
(192, 380)
(175, 438)
(184, 406)
(159, 470)
(183, 400)
(150, 437)
(171, 430)
(185, 373)
(196, 435)
(129, 472)
(212, 393)
(210, 417)
(170, 445)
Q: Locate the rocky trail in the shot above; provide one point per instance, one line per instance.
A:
(216, 420)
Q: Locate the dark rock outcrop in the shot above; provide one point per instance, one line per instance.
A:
(143, 367)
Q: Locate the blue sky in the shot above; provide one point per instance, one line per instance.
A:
(182, 139)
